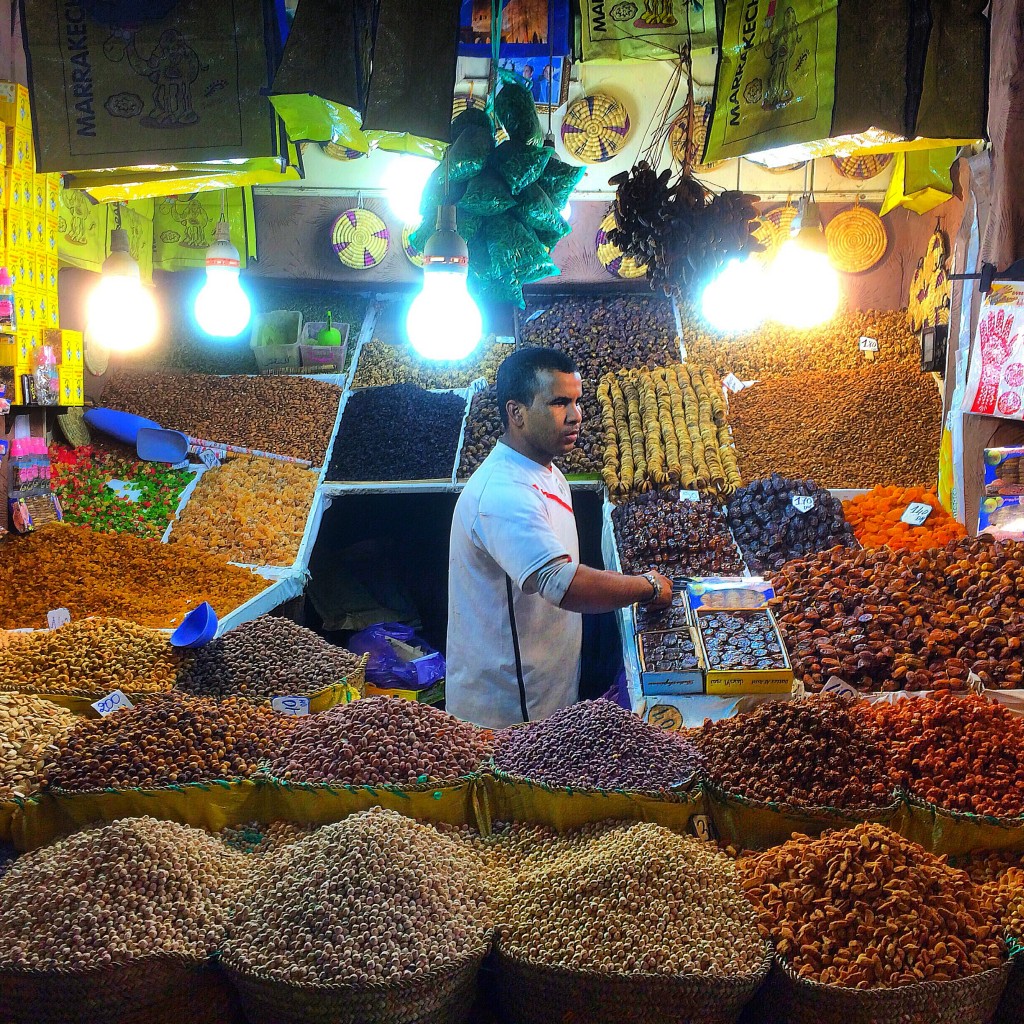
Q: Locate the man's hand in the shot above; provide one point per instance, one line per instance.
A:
(664, 598)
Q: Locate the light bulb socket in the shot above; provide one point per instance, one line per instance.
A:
(446, 249)
(549, 141)
(120, 262)
(222, 253)
(806, 227)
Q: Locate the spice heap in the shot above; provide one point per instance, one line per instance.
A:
(854, 428)
(958, 751)
(400, 432)
(382, 363)
(113, 894)
(629, 899)
(773, 350)
(922, 620)
(666, 428)
(382, 741)
(409, 900)
(125, 577)
(79, 479)
(817, 752)
(283, 415)
(776, 519)
(28, 726)
(678, 538)
(866, 908)
(250, 510)
(876, 518)
(265, 658)
(596, 745)
(169, 740)
(90, 657)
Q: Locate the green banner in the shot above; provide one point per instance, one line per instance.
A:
(183, 227)
(776, 76)
(628, 30)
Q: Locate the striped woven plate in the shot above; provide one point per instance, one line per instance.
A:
(360, 239)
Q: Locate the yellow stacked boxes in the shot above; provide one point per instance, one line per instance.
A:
(71, 371)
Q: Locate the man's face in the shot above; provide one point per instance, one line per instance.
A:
(527, 72)
(551, 424)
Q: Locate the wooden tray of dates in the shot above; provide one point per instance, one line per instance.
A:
(743, 651)
(670, 662)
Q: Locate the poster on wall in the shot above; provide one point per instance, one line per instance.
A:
(775, 84)
(617, 30)
(529, 28)
(995, 380)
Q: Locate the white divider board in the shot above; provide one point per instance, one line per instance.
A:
(480, 384)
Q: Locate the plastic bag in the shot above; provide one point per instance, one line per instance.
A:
(392, 663)
(559, 180)
(437, 189)
(519, 165)
(536, 211)
(486, 195)
(468, 154)
(472, 117)
(516, 111)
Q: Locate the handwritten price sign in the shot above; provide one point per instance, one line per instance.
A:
(115, 701)
(58, 617)
(803, 502)
(917, 512)
(291, 705)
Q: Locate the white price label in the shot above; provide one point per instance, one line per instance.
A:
(732, 382)
(689, 495)
(180, 465)
(58, 617)
(867, 344)
(917, 512)
(209, 458)
(803, 502)
(115, 701)
(291, 705)
(702, 827)
(840, 687)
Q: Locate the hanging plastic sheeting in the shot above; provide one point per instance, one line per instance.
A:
(321, 86)
(183, 227)
(920, 180)
(188, 86)
(413, 77)
(84, 229)
(645, 29)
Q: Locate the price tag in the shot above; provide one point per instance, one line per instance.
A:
(867, 344)
(917, 512)
(803, 502)
(180, 465)
(732, 382)
(689, 495)
(701, 825)
(115, 701)
(58, 617)
(208, 457)
(291, 705)
(840, 687)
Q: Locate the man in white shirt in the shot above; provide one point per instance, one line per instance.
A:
(516, 588)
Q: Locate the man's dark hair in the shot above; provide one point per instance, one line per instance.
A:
(517, 375)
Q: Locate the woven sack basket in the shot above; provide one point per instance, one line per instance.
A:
(150, 990)
(437, 997)
(970, 1000)
(537, 994)
(1011, 1007)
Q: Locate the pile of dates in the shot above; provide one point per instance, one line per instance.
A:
(673, 651)
(742, 640)
(678, 538)
(774, 519)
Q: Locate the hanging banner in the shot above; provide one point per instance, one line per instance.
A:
(775, 84)
(187, 84)
(529, 28)
(995, 380)
(84, 232)
(183, 227)
(618, 30)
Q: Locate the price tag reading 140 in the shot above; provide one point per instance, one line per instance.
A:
(115, 701)
(917, 512)
(803, 502)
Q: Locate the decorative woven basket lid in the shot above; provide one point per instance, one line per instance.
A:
(95, 356)
(776, 227)
(343, 153)
(412, 254)
(768, 233)
(360, 238)
(595, 128)
(677, 137)
(860, 168)
(611, 255)
(856, 239)
(783, 169)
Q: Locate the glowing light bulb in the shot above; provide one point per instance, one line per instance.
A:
(735, 300)
(443, 321)
(121, 313)
(802, 286)
(403, 182)
(222, 308)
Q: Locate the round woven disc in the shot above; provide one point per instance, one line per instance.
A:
(611, 255)
(595, 128)
(360, 238)
(856, 239)
(412, 254)
(343, 153)
(95, 356)
(677, 137)
(860, 168)
(769, 235)
(784, 169)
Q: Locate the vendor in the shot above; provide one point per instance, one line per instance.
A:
(516, 585)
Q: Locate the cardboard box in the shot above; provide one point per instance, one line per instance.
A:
(36, 232)
(73, 348)
(731, 682)
(53, 186)
(51, 237)
(20, 150)
(17, 265)
(678, 616)
(72, 385)
(39, 193)
(16, 350)
(654, 681)
(15, 185)
(15, 105)
(14, 232)
(52, 266)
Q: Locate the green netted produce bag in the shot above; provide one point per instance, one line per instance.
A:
(515, 110)
(559, 179)
(486, 195)
(468, 154)
(520, 165)
(536, 211)
(515, 250)
(472, 117)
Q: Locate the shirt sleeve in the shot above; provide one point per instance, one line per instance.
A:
(513, 528)
(552, 581)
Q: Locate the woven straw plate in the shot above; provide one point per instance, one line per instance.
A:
(860, 168)
(360, 239)
(773, 229)
(412, 254)
(677, 138)
(783, 169)
(343, 153)
(611, 255)
(595, 128)
(856, 239)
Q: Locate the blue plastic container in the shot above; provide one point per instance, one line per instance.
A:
(121, 425)
(154, 444)
(197, 629)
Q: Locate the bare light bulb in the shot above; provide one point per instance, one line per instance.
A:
(121, 312)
